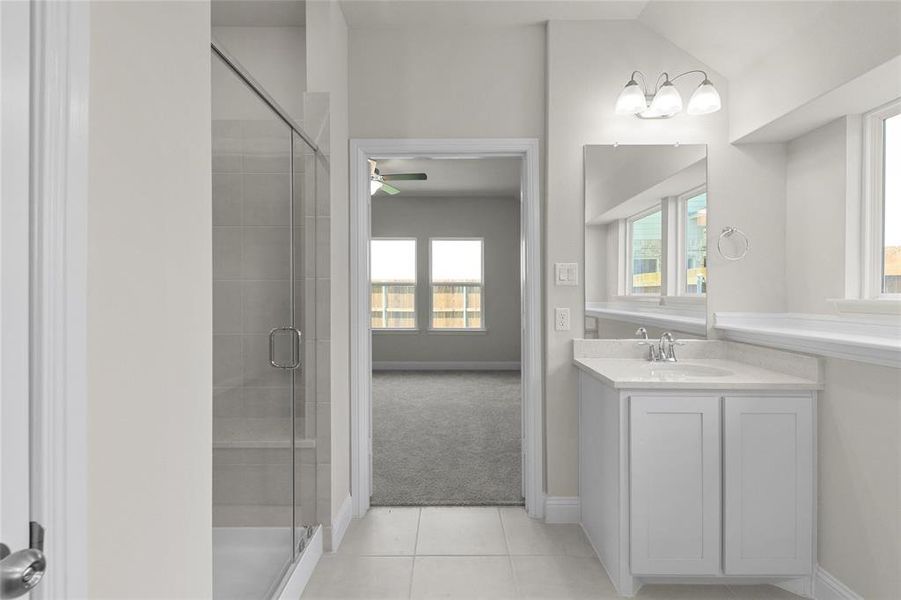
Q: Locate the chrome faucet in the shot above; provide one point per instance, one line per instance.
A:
(653, 351)
(664, 350)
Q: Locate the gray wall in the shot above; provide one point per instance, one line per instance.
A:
(149, 303)
(496, 220)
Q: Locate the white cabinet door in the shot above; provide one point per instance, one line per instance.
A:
(769, 484)
(675, 476)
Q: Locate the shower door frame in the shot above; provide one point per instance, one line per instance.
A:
(361, 150)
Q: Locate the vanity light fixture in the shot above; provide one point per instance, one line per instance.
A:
(665, 100)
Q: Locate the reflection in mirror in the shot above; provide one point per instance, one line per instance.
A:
(645, 240)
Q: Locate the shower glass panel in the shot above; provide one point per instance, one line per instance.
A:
(263, 444)
(305, 265)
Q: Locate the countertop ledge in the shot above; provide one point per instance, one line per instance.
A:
(621, 364)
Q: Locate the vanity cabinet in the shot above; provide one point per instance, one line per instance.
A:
(698, 483)
(675, 480)
(768, 466)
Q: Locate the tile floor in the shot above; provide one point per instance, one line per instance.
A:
(473, 553)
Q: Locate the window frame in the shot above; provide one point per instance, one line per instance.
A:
(415, 284)
(484, 327)
(681, 240)
(627, 276)
(872, 269)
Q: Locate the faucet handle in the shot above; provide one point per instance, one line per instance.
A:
(641, 333)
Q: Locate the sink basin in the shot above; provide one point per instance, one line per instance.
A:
(677, 369)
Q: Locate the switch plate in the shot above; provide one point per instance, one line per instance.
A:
(566, 273)
(561, 319)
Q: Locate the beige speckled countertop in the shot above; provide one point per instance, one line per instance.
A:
(703, 365)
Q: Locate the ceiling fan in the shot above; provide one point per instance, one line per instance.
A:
(377, 181)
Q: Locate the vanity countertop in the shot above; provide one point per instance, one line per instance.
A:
(705, 365)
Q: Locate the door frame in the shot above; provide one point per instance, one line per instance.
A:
(60, 76)
(530, 281)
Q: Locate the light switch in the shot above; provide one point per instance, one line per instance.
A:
(561, 319)
(566, 273)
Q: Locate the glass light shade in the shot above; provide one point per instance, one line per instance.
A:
(631, 100)
(667, 101)
(704, 100)
(374, 186)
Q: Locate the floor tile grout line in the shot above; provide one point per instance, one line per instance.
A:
(516, 590)
(415, 551)
(418, 526)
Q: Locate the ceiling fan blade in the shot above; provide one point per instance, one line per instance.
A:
(390, 189)
(405, 177)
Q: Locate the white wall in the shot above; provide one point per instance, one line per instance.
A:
(445, 82)
(859, 529)
(841, 42)
(275, 56)
(494, 219)
(815, 219)
(746, 188)
(149, 287)
(327, 71)
(859, 410)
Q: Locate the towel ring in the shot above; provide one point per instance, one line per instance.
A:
(729, 232)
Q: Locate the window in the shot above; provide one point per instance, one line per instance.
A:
(393, 278)
(694, 243)
(891, 211)
(456, 280)
(882, 203)
(645, 249)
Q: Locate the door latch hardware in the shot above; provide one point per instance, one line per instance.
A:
(21, 571)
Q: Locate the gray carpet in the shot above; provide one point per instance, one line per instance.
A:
(446, 438)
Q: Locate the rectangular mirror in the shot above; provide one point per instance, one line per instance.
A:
(645, 240)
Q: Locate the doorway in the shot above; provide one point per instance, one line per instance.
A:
(446, 389)
(432, 311)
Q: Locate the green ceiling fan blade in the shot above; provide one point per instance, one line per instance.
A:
(405, 177)
(390, 189)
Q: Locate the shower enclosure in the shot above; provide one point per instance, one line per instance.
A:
(264, 331)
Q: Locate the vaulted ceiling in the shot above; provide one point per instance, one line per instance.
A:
(729, 36)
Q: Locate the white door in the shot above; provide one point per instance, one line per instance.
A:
(675, 476)
(18, 566)
(769, 485)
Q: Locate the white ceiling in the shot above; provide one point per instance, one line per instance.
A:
(727, 35)
(258, 13)
(730, 36)
(454, 13)
(455, 177)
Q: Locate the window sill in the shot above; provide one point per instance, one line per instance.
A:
(395, 330)
(875, 339)
(646, 313)
(881, 306)
(481, 330)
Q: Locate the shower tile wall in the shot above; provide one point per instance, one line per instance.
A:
(252, 483)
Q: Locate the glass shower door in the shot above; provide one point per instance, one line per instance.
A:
(256, 344)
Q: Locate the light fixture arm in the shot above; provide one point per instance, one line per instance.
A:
(644, 81)
(704, 73)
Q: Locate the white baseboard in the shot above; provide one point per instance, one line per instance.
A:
(446, 365)
(799, 586)
(304, 568)
(827, 587)
(340, 524)
(562, 509)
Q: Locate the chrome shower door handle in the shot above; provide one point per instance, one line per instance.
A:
(295, 348)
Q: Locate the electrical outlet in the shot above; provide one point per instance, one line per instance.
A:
(561, 319)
